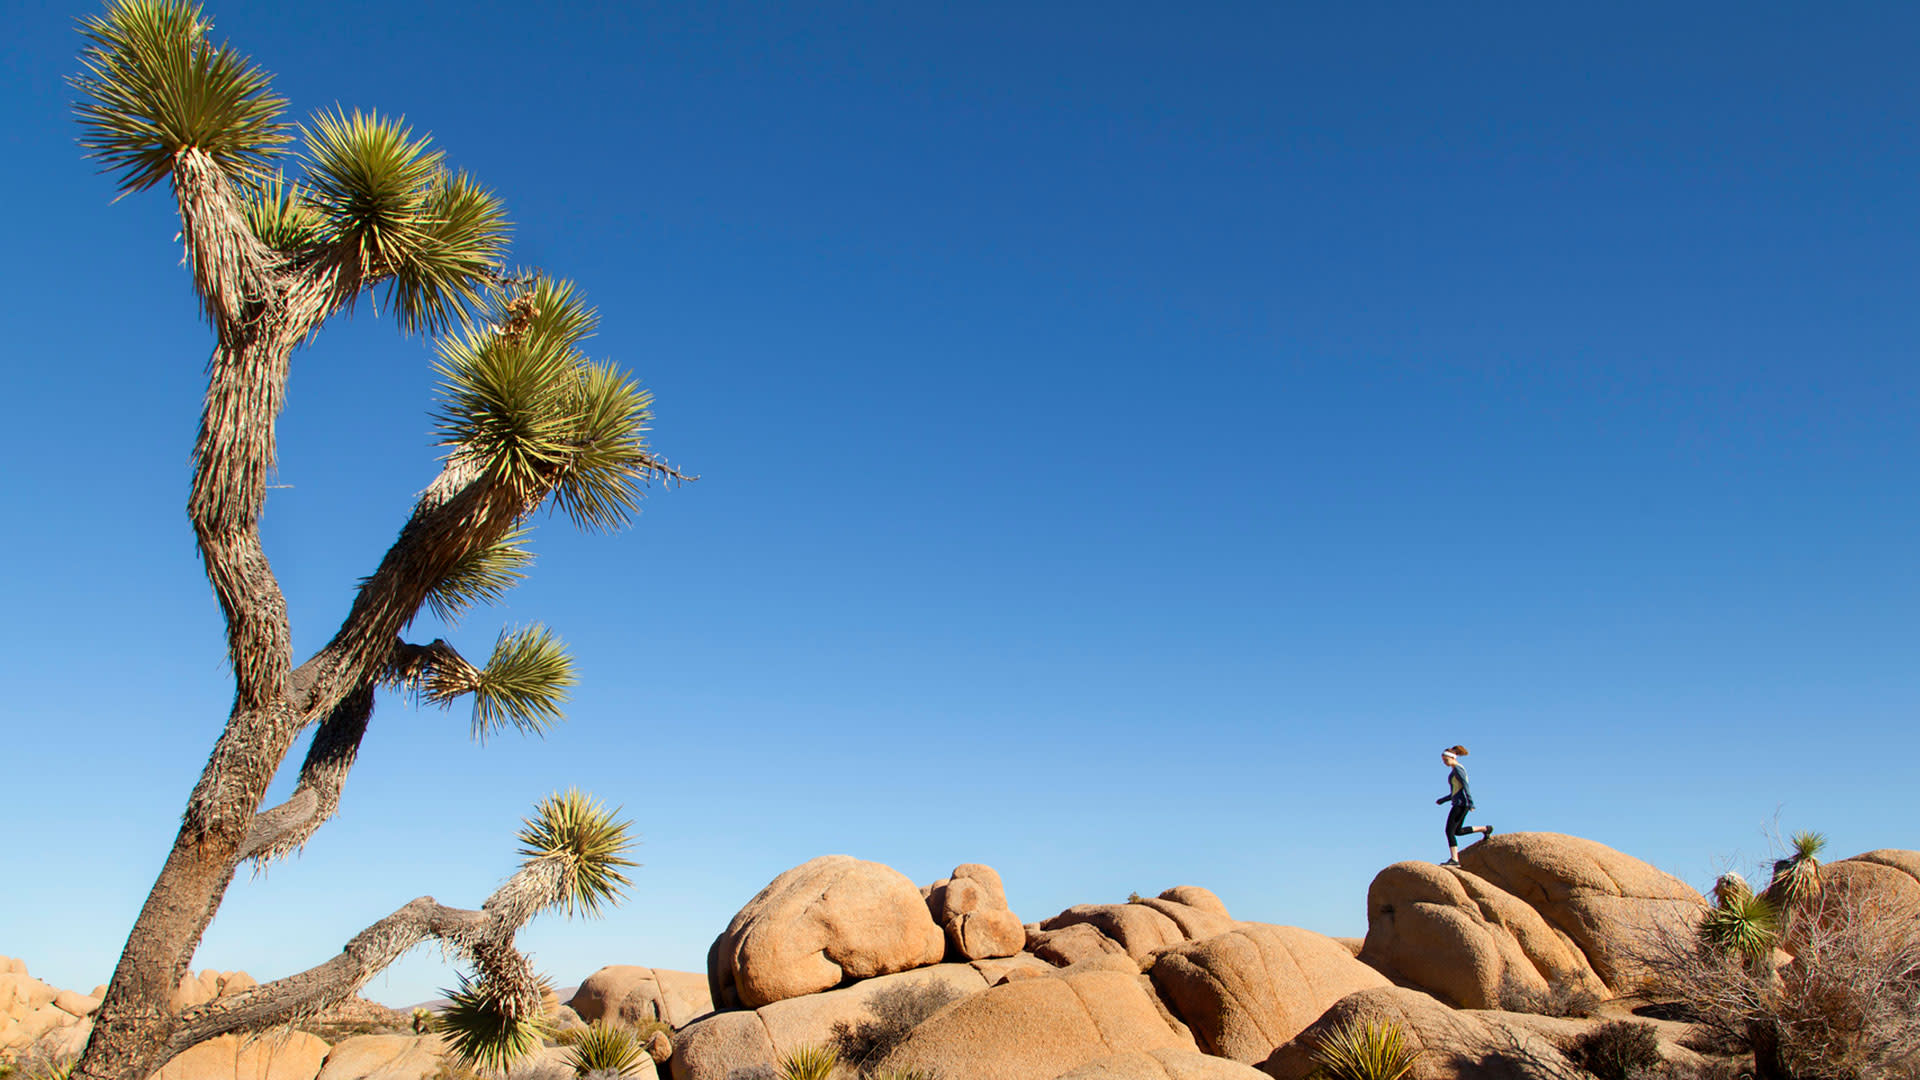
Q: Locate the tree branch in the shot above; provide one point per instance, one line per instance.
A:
(485, 937)
(284, 828)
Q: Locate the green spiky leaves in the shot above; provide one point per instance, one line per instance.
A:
(577, 829)
(809, 1061)
(436, 237)
(523, 404)
(483, 1028)
(155, 88)
(1351, 1050)
(481, 576)
(606, 1048)
(281, 216)
(1743, 925)
(523, 685)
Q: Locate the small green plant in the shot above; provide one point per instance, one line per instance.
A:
(906, 1074)
(481, 1030)
(1134, 898)
(423, 1021)
(809, 1061)
(1618, 1049)
(606, 1048)
(1743, 924)
(1352, 1050)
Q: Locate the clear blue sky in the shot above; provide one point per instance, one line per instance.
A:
(1134, 439)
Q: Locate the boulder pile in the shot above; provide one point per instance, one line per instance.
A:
(1498, 968)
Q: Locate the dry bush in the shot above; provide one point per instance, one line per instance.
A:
(1560, 998)
(894, 1012)
(1618, 1049)
(1846, 1006)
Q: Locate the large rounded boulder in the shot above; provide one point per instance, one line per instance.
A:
(1039, 1028)
(1607, 903)
(1247, 991)
(1467, 941)
(830, 920)
(1140, 928)
(624, 992)
(1884, 883)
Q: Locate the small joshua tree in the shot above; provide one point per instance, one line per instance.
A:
(528, 421)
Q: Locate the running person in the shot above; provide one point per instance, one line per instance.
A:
(1461, 796)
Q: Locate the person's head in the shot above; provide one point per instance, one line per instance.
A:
(1451, 755)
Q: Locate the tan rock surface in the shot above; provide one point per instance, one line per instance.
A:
(281, 1056)
(1163, 1065)
(1140, 930)
(1247, 991)
(1886, 882)
(1465, 941)
(24, 988)
(1071, 944)
(1194, 896)
(712, 1046)
(384, 1057)
(1037, 1029)
(971, 907)
(1451, 1044)
(636, 994)
(75, 1004)
(1607, 903)
(829, 920)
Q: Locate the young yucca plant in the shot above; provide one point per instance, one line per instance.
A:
(1796, 878)
(1743, 925)
(809, 1061)
(606, 1048)
(482, 1030)
(905, 1074)
(1373, 1050)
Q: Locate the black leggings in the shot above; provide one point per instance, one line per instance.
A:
(1457, 823)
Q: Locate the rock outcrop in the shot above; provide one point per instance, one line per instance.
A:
(283, 1055)
(1451, 1044)
(1036, 1029)
(384, 1057)
(1607, 903)
(638, 994)
(1466, 941)
(1140, 928)
(971, 906)
(830, 920)
(1246, 991)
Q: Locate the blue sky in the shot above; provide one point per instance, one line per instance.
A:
(1133, 440)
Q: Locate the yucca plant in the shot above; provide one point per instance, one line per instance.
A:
(1372, 1050)
(808, 1061)
(278, 242)
(606, 1048)
(1743, 925)
(1796, 879)
(905, 1074)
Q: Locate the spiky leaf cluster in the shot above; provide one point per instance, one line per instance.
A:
(1796, 878)
(523, 404)
(1351, 1050)
(606, 1048)
(522, 686)
(436, 237)
(481, 576)
(576, 827)
(482, 1028)
(809, 1061)
(1743, 925)
(155, 87)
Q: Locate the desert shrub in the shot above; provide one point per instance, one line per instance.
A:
(1843, 1007)
(1560, 998)
(892, 1014)
(1134, 898)
(38, 1063)
(1351, 1050)
(606, 1048)
(906, 1074)
(1618, 1049)
(810, 1061)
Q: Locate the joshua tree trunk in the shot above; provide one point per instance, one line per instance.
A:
(272, 260)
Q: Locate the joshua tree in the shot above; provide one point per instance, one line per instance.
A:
(526, 419)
